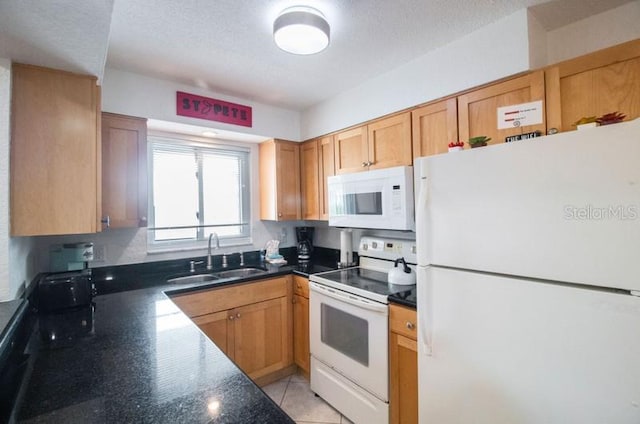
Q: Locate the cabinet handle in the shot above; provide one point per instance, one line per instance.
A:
(369, 163)
(410, 325)
(106, 221)
(279, 214)
(364, 164)
(231, 317)
(293, 300)
(238, 315)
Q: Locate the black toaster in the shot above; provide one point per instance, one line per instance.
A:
(65, 290)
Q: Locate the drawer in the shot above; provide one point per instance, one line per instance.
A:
(301, 286)
(403, 320)
(214, 300)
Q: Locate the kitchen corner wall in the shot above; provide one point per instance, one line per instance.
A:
(17, 258)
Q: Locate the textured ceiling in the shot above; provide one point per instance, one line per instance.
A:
(226, 45)
(64, 34)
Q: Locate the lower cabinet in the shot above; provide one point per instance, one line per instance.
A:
(403, 365)
(301, 353)
(250, 323)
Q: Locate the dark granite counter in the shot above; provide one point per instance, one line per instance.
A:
(137, 358)
(407, 298)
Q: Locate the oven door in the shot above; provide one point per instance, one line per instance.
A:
(350, 334)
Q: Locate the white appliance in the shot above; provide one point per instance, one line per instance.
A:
(348, 330)
(529, 281)
(375, 199)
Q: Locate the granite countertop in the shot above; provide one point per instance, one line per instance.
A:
(143, 361)
(407, 298)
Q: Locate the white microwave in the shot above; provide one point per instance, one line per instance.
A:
(375, 199)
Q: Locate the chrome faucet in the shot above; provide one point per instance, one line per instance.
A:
(209, 261)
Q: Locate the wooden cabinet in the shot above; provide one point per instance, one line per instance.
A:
(279, 180)
(251, 323)
(593, 85)
(477, 110)
(381, 144)
(316, 165)
(389, 142)
(301, 352)
(55, 152)
(310, 180)
(434, 126)
(327, 169)
(351, 151)
(403, 365)
(124, 171)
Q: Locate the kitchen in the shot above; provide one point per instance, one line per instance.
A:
(121, 94)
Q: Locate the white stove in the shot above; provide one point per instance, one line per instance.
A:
(369, 280)
(349, 324)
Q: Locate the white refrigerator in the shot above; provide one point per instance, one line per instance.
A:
(529, 281)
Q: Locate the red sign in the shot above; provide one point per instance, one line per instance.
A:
(212, 109)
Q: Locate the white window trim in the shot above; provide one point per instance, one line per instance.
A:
(160, 247)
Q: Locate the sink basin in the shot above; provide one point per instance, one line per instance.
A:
(242, 272)
(197, 278)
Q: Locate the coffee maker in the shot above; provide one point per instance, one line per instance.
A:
(304, 235)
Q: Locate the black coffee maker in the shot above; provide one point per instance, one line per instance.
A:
(304, 235)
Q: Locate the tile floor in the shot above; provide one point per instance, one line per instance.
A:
(298, 401)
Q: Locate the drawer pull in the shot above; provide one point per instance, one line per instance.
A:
(231, 317)
(410, 325)
(238, 315)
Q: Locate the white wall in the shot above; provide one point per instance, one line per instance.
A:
(6, 291)
(138, 95)
(17, 261)
(127, 246)
(597, 32)
(482, 56)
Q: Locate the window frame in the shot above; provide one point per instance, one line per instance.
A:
(200, 242)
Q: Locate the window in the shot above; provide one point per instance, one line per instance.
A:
(196, 190)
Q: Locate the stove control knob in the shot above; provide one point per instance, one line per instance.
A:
(374, 244)
(365, 246)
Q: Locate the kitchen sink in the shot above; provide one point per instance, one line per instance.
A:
(239, 273)
(197, 278)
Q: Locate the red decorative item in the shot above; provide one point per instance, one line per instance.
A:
(611, 118)
(456, 144)
(195, 106)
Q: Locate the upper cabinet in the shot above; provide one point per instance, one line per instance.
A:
(593, 85)
(316, 165)
(434, 126)
(351, 151)
(124, 171)
(477, 110)
(310, 180)
(55, 146)
(381, 144)
(279, 180)
(327, 169)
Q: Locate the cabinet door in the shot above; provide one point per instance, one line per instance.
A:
(124, 171)
(351, 151)
(279, 180)
(310, 181)
(327, 169)
(434, 126)
(403, 379)
(301, 333)
(478, 110)
(215, 326)
(55, 176)
(262, 334)
(593, 85)
(390, 142)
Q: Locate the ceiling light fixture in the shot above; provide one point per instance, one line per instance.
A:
(301, 30)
